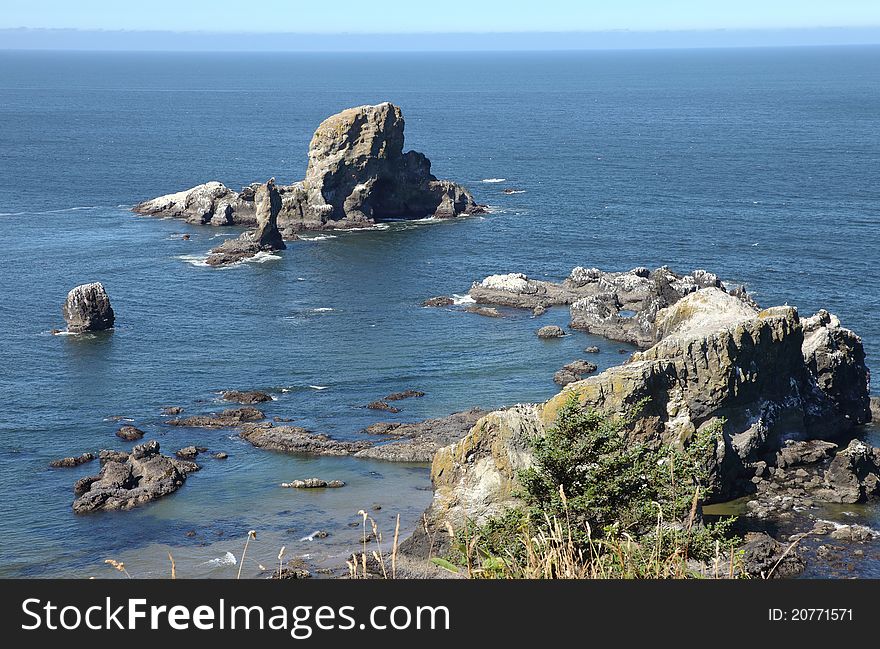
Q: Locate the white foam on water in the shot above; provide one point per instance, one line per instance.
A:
(319, 237)
(319, 387)
(462, 299)
(227, 559)
(195, 260)
(310, 537)
(321, 309)
(515, 191)
(300, 279)
(261, 257)
(874, 533)
(493, 180)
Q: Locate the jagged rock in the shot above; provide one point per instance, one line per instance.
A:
(172, 410)
(249, 397)
(751, 373)
(265, 238)
(313, 483)
(765, 557)
(130, 433)
(87, 308)
(550, 331)
(619, 306)
(440, 300)
(574, 371)
(229, 418)
(853, 475)
(211, 203)
(406, 394)
(539, 311)
(875, 409)
(382, 405)
(296, 440)
(67, 462)
(142, 476)
(796, 453)
(592, 349)
(357, 174)
(220, 455)
(187, 453)
(417, 442)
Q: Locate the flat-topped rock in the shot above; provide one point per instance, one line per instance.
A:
(229, 418)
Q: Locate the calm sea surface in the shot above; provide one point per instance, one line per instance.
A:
(760, 165)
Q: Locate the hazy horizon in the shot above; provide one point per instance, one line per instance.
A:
(23, 38)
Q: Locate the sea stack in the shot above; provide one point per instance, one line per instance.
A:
(265, 238)
(87, 308)
(358, 174)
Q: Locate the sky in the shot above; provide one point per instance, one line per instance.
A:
(390, 16)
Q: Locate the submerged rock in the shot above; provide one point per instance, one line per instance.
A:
(87, 308)
(229, 418)
(187, 453)
(357, 175)
(486, 311)
(440, 300)
(382, 405)
(142, 476)
(266, 237)
(406, 394)
(68, 462)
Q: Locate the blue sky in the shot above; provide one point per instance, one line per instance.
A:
(389, 16)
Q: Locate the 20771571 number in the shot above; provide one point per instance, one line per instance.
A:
(810, 615)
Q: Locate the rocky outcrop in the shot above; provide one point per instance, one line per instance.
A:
(248, 397)
(211, 203)
(296, 440)
(619, 306)
(229, 418)
(68, 462)
(763, 557)
(129, 433)
(875, 409)
(265, 238)
(87, 308)
(357, 174)
(405, 394)
(382, 405)
(853, 475)
(313, 483)
(574, 371)
(550, 331)
(718, 362)
(417, 442)
(129, 480)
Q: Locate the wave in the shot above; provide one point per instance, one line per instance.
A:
(195, 260)
(78, 208)
(311, 537)
(510, 192)
(261, 258)
(870, 530)
(227, 559)
(321, 309)
(319, 387)
(319, 237)
(493, 180)
(458, 300)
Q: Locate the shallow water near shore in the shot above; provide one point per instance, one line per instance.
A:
(759, 165)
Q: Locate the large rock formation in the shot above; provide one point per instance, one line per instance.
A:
(357, 175)
(129, 480)
(265, 238)
(770, 375)
(87, 308)
(619, 306)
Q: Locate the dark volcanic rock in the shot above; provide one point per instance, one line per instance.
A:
(875, 409)
(130, 433)
(763, 558)
(382, 405)
(67, 462)
(249, 397)
(357, 175)
(796, 453)
(264, 239)
(172, 410)
(87, 308)
(229, 418)
(440, 300)
(296, 440)
(853, 475)
(417, 442)
(406, 394)
(550, 331)
(144, 475)
(486, 311)
(574, 371)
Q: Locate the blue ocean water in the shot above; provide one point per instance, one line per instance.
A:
(761, 165)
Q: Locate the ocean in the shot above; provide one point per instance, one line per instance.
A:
(761, 165)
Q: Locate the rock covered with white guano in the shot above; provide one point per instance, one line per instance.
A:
(87, 308)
